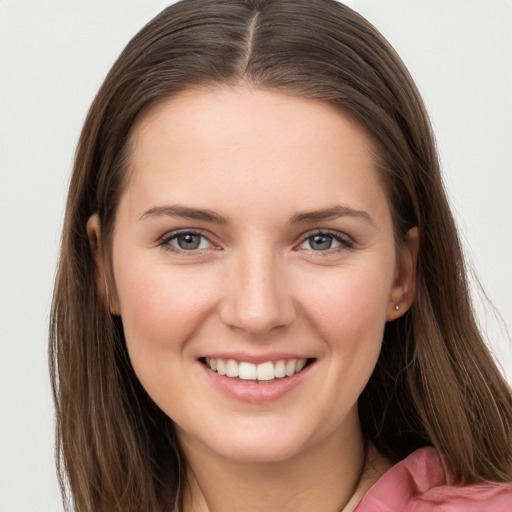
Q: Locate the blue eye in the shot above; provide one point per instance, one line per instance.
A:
(186, 241)
(321, 242)
(326, 241)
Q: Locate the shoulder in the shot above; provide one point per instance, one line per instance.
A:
(419, 484)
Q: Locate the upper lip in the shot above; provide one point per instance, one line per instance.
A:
(254, 358)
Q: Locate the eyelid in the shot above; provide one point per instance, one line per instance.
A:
(170, 235)
(347, 242)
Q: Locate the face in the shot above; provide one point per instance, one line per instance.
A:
(255, 269)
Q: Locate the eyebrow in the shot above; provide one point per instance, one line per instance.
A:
(187, 212)
(184, 212)
(331, 213)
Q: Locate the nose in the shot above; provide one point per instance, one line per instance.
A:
(258, 297)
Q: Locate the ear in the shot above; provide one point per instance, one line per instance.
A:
(404, 284)
(94, 235)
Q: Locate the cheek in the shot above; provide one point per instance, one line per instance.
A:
(351, 299)
(161, 307)
(349, 312)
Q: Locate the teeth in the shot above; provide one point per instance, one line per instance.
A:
(247, 371)
(280, 369)
(231, 368)
(300, 364)
(221, 367)
(266, 371)
(290, 367)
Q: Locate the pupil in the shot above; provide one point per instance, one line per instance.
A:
(321, 242)
(189, 241)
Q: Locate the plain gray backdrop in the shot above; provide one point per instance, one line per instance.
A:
(54, 56)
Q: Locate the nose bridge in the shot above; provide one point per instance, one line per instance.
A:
(258, 299)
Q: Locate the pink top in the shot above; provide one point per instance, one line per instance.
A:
(419, 484)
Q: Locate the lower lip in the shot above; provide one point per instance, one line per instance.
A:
(253, 392)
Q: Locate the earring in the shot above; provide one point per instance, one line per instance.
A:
(397, 307)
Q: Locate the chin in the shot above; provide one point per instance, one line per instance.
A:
(266, 443)
(261, 452)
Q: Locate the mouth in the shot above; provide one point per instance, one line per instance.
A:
(262, 373)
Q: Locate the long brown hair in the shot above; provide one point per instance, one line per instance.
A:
(435, 382)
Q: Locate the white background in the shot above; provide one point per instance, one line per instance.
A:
(53, 57)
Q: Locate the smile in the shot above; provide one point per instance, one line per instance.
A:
(266, 371)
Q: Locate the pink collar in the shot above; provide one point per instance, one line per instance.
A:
(419, 483)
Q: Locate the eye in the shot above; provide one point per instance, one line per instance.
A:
(322, 242)
(185, 241)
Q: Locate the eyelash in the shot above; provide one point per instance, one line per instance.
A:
(346, 243)
(165, 242)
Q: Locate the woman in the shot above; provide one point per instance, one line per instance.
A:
(261, 301)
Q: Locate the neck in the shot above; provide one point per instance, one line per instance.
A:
(329, 477)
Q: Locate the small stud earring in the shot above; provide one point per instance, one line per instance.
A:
(397, 307)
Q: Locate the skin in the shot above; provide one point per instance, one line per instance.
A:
(257, 286)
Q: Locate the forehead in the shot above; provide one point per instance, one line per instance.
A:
(223, 115)
(263, 145)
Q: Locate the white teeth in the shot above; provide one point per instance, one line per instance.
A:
(221, 367)
(247, 371)
(266, 371)
(290, 367)
(280, 369)
(300, 364)
(231, 368)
